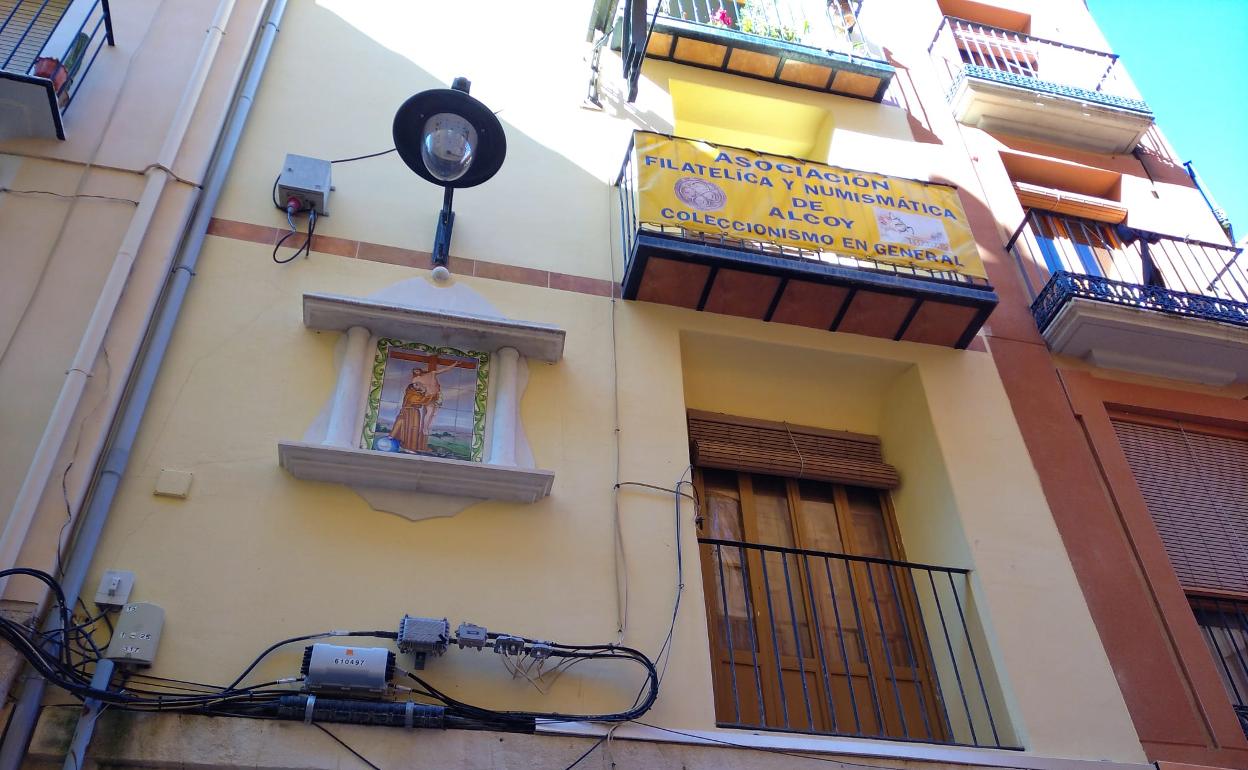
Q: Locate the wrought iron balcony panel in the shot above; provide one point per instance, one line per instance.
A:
(1130, 299)
(772, 40)
(830, 644)
(47, 48)
(1004, 81)
(1063, 286)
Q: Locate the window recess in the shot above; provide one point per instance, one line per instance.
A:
(815, 623)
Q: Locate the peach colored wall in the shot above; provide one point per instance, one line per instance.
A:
(57, 250)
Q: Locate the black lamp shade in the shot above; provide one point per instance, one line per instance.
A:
(409, 127)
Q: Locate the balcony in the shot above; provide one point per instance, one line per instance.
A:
(813, 642)
(1004, 81)
(735, 260)
(47, 48)
(819, 46)
(1129, 299)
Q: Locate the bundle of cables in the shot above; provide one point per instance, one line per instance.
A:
(67, 654)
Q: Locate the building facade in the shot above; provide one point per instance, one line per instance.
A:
(742, 361)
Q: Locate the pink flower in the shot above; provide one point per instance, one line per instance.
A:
(721, 17)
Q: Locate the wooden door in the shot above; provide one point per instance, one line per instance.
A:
(806, 641)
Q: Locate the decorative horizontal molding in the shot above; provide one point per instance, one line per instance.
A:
(393, 255)
(413, 473)
(333, 312)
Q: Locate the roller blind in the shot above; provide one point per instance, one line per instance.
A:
(795, 451)
(1196, 488)
(1073, 204)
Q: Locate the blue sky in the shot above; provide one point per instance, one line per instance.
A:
(1190, 60)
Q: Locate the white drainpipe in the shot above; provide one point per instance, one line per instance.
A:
(39, 473)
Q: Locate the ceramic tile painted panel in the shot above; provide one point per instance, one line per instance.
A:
(427, 400)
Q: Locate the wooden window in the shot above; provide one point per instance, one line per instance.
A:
(803, 638)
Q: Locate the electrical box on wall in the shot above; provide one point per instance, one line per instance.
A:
(137, 634)
(330, 668)
(307, 180)
(114, 590)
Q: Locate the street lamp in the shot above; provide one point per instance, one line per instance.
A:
(452, 140)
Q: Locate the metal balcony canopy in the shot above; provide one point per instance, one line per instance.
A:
(46, 49)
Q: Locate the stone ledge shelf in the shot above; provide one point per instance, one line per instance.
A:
(413, 473)
(332, 312)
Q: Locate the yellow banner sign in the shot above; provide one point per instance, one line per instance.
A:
(750, 195)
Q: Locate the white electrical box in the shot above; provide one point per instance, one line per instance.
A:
(114, 590)
(307, 180)
(137, 634)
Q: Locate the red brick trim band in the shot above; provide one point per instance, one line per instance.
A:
(377, 252)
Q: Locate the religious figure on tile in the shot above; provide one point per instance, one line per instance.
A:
(421, 399)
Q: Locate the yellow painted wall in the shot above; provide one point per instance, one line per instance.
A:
(254, 555)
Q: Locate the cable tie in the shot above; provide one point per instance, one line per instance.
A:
(308, 709)
(339, 632)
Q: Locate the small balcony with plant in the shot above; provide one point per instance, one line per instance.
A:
(1002, 80)
(813, 44)
(47, 47)
(1127, 298)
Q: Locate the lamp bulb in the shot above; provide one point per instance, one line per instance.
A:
(448, 146)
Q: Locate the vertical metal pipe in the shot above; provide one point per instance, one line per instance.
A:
(953, 658)
(126, 424)
(797, 640)
(749, 611)
(888, 655)
(840, 635)
(866, 650)
(970, 646)
(732, 665)
(823, 664)
(91, 709)
(775, 642)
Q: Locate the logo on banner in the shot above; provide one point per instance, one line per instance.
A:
(700, 194)
(916, 230)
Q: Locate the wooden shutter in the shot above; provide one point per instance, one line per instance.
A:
(795, 451)
(1196, 488)
(1072, 204)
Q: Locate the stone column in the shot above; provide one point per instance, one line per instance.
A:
(506, 365)
(343, 430)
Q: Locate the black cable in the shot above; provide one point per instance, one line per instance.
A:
(588, 751)
(61, 195)
(344, 744)
(305, 247)
(366, 157)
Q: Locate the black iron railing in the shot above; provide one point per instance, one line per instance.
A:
(1224, 623)
(632, 225)
(824, 643)
(57, 40)
(1095, 260)
(968, 49)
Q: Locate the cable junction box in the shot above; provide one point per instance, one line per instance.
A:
(137, 634)
(423, 637)
(307, 180)
(330, 668)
